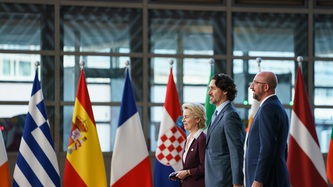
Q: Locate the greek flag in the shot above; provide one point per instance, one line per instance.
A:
(37, 163)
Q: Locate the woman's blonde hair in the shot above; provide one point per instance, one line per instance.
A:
(198, 111)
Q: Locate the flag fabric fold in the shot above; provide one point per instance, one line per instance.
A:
(171, 139)
(4, 168)
(36, 163)
(305, 161)
(329, 161)
(130, 164)
(210, 108)
(84, 164)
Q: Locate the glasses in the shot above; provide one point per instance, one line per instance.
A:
(257, 82)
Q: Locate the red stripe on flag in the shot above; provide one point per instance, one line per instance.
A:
(83, 96)
(301, 170)
(72, 178)
(171, 104)
(136, 176)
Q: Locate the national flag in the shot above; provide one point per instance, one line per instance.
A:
(36, 163)
(4, 168)
(305, 161)
(84, 164)
(130, 164)
(171, 139)
(210, 108)
(329, 161)
(253, 111)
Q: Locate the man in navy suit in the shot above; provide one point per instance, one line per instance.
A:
(225, 137)
(266, 153)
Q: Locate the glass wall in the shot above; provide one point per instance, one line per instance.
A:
(151, 35)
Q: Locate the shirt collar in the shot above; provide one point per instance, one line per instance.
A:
(266, 99)
(219, 108)
(197, 134)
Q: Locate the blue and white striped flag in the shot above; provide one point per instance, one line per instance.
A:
(37, 163)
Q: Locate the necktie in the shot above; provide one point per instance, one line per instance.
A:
(214, 117)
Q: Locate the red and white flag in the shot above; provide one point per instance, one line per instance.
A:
(4, 169)
(171, 138)
(305, 161)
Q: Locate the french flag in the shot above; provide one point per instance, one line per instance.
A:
(130, 165)
(171, 139)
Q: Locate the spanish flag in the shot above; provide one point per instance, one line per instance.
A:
(4, 169)
(84, 161)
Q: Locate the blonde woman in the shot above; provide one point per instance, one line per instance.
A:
(194, 119)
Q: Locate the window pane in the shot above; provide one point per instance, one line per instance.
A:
(21, 26)
(259, 34)
(104, 76)
(156, 114)
(102, 29)
(323, 26)
(323, 122)
(186, 32)
(196, 71)
(17, 76)
(284, 69)
(195, 94)
(323, 83)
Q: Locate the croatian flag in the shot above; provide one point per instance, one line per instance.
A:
(130, 164)
(171, 139)
(37, 163)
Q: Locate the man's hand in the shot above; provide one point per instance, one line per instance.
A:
(257, 184)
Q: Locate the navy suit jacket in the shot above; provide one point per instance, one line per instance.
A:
(195, 163)
(225, 149)
(266, 152)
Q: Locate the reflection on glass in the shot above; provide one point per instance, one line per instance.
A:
(196, 71)
(274, 35)
(12, 119)
(100, 29)
(323, 29)
(323, 122)
(21, 26)
(185, 32)
(104, 76)
(17, 73)
(323, 93)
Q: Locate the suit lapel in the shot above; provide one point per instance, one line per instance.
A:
(213, 125)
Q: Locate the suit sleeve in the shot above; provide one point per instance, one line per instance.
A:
(235, 136)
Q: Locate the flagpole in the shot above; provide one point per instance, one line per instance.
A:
(171, 63)
(300, 60)
(212, 62)
(259, 61)
(37, 64)
(82, 64)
